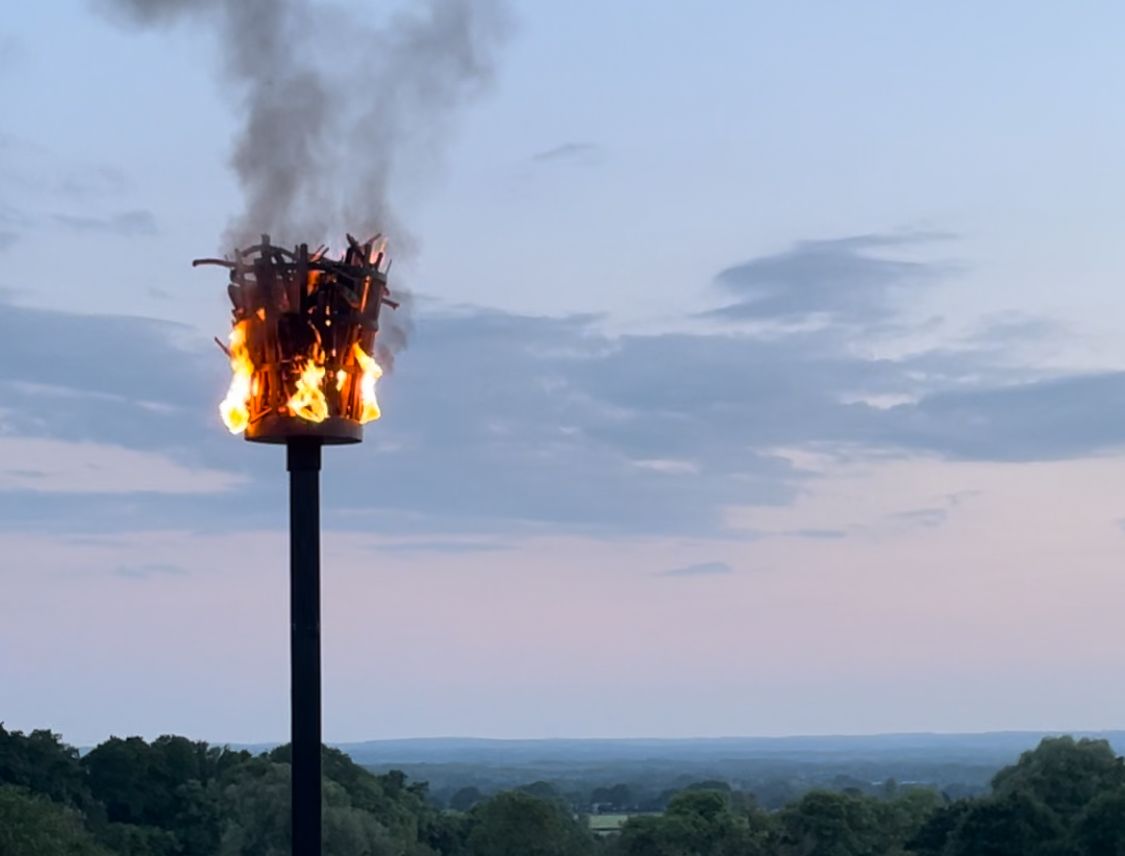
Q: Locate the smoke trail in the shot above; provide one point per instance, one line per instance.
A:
(331, 104)
(334, 106)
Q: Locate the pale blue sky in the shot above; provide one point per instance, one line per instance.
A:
(896, 446)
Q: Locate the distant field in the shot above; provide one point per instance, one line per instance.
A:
(603, 824)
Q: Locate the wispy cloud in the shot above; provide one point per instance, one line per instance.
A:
(93, 180)
(136, 223)
(12, 218)
(924, 517)
(703, 569)
(659, 465)
(576, 153)
(451, 546)
(148, 571)
(53, 466)
(818, 534)
(846, 280)
(956, 500)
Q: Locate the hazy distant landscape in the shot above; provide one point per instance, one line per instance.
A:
(990, 747)
(1005, 794)
(774, 769)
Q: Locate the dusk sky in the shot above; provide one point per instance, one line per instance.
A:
(766, 377)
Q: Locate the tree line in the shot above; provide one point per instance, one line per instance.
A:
(177, 797)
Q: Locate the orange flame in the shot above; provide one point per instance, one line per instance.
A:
(371, 373)
(308, 401)
(235, 408)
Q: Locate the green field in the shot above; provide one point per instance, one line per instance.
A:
(603, 824)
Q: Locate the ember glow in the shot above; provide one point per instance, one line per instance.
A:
(371, 373)
(235, 408)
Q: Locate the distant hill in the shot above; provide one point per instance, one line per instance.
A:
(999, 747)
(774, 769)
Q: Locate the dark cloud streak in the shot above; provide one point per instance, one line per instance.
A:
(129, 224)
(845, 280)
(501, 423)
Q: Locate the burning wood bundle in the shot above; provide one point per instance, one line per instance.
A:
(302, 343)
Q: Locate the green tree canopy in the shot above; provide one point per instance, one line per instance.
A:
(514, 823)
(465, 799)
(1100, 829)
(1063, 774)
(697, 823)
(1012, 825)
(33, 825)
(932, 835)
(823, 823)
(43, 764)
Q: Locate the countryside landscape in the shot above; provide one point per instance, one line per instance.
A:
(509, 428)
(789, 796)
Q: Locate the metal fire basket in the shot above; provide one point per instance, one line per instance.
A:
(302, 344)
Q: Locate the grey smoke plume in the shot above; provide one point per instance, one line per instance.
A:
(334, 105)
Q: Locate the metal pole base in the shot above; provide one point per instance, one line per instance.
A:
(304, 611)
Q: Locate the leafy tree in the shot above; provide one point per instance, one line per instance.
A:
(823, 823)
(1100, 829)
(256, 802)
(932, 836)
(399, 806)
(1011, 825)
(118, 772)
(197, 820)
(619, 797)
(465, 799)
(697, 823)
(446, 833)
(775, 793)
(125, 839)
(710, 785)
(706, 805)
(43, 764)
(901, 817)
(514, 823)
(163, 797)
(35, 826)
(543, 790)
(660, 801)
(647, 835)
(350, 831)
(1063, 774)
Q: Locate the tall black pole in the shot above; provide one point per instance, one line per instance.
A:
(304, 612)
